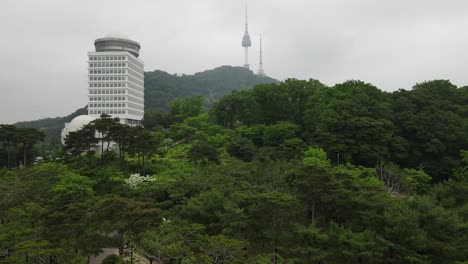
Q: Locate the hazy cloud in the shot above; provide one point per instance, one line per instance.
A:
(392, 44)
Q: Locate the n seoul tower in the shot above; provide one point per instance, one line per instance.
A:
(246, 43)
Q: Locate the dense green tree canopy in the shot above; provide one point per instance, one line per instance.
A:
(292, 172)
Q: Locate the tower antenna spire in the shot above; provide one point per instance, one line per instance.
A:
(261, 72)
(246, 19)
(246, 43)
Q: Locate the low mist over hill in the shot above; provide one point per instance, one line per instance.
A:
(162, 87)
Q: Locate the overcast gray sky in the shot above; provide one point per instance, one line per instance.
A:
(391, 44)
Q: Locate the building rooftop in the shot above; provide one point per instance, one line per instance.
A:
(117, 44)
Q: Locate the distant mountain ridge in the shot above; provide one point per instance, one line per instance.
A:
(162, 87)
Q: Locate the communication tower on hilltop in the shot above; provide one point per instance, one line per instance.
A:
(246, 43)
(261, 72)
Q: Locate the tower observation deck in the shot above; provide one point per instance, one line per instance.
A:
(246, 43)
(117, 44)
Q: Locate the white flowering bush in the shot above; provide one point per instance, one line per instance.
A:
(136, 180)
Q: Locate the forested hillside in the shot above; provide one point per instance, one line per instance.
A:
(162, 87)
(292, 172)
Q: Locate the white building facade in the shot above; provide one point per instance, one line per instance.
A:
(116, 80)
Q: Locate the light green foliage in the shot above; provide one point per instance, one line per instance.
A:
(317, 158)
(182, 108)
(355, 171)
(418, 180)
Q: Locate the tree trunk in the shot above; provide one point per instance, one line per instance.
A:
(309, 216)
(120, 158)
(131, 254)
(313, 212)
(24, 155)
(122, 161)
(102, 152)
(9, 157)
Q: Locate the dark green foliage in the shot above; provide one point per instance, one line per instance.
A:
(351, 120)
(52, 128)
(154, 119)
(432, 119)
(242, 148)
(203, 153)
(277, 134)
(266, 104)
(14, 141)
(111, 259)
(356, 122)
(79, 142)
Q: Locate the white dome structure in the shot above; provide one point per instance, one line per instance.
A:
(79, 122)
(76, 124)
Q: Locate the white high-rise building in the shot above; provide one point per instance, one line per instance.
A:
(116, 80)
